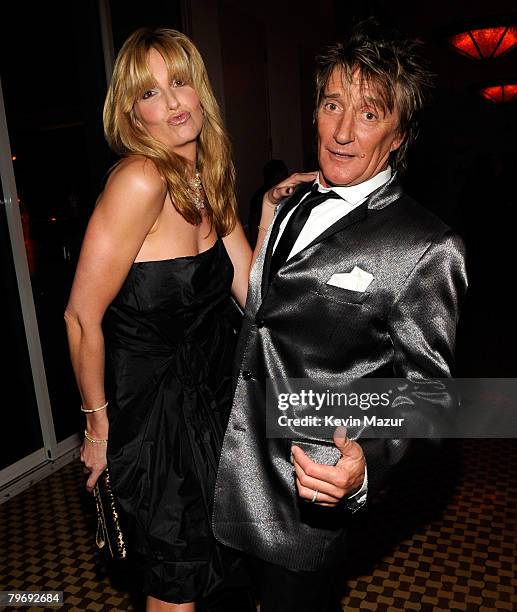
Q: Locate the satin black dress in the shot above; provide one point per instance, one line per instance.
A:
(169, 350)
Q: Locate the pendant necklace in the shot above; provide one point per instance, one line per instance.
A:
(197, 192)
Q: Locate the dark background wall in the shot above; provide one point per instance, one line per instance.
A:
(462, 167)
(260, 58)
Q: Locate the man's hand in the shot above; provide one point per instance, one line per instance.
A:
(332, 483)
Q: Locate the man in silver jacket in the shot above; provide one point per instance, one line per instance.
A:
(309, 315)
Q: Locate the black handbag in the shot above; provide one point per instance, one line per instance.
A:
(110, 535)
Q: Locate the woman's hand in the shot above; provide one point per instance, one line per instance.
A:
(94, 458)
(271, 199)
(93, 454)
(286, 187)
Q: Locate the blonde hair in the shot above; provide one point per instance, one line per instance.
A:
(131, 79)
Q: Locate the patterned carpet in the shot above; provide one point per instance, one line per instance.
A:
(443, 539)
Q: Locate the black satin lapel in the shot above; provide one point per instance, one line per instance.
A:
(286, 205)
(355, 215)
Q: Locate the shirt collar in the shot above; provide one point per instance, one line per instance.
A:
(357, 193)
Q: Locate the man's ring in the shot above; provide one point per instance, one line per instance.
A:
(314, 497)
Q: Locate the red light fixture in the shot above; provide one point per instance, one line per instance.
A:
(485, 43)
(500, 93)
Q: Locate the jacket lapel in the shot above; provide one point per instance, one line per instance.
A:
(383, 196)
(357, 214)
(380, 198)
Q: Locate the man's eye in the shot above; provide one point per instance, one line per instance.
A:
(331, 106)
(370, 116)
(178, 82)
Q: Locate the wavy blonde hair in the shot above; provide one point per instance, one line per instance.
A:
(131, 79)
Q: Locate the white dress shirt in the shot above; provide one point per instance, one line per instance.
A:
(328, 212)
(322, 217)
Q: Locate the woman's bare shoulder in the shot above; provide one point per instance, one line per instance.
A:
(133, 185)
(137, 172)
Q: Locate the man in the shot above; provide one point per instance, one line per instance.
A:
(273, 501)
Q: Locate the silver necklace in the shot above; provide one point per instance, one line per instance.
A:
(197, 192)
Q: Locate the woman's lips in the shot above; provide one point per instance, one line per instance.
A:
(179, 119)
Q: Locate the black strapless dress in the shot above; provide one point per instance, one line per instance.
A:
(169, 351)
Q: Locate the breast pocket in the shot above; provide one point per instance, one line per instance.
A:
(342, 296)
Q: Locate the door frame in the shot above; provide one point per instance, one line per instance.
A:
(23, 280)
(52, 455)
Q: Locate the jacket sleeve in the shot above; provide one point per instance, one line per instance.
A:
(422, 329)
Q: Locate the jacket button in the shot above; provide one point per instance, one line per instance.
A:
(246, 374)
(260, 322)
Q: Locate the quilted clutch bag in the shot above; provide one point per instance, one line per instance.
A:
(110, 535)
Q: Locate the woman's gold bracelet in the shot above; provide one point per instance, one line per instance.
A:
(83, 409)
(94, 440)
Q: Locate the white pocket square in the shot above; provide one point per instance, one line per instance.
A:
(357, 280)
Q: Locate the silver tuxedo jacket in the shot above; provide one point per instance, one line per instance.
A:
(403, 325)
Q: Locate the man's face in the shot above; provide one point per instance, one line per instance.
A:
(355, 136)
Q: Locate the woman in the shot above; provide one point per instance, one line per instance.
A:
(148, 313)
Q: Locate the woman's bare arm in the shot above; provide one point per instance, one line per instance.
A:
(239, 250)
(124, 215)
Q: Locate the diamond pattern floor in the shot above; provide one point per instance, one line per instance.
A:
(443, 539)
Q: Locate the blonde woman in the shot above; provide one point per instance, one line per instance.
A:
(148, 315)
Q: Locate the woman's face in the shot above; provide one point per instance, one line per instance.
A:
(170, 111)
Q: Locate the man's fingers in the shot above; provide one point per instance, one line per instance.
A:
(308, 494)
(349, 449)
(310, 483)
(337, 481)
(327, 473)
(341, 440)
